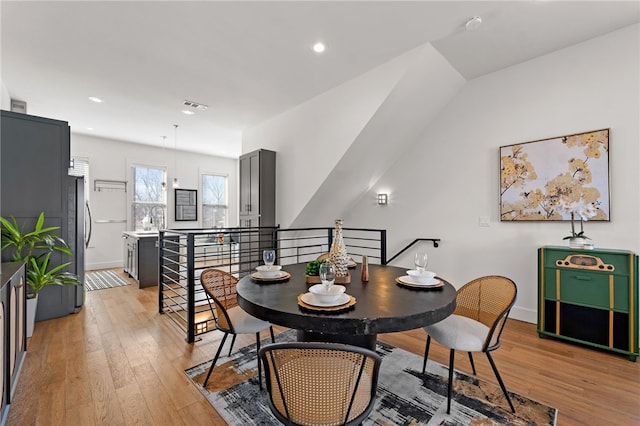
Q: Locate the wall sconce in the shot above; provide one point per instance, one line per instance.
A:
(382, 199)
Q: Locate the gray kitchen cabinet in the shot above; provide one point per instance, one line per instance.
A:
(141, 257)
(257, 205)
(34, 163)
(258, 189)
(12, 330)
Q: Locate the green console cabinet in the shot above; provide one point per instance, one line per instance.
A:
(589, 297)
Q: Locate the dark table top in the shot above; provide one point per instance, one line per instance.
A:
(382, 306)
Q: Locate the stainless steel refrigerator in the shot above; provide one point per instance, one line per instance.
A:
(76, 238)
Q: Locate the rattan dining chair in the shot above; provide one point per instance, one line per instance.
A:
(230, 318)
(314, 383)
(482, 308)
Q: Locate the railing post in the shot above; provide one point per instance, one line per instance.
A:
(160, 268)
(191, 289)
(383, 246)
(329, 238)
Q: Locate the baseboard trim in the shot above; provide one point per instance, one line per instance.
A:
(522, 314)
(102, 265)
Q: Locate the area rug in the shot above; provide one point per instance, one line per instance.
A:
(404, 396)
(98, 280)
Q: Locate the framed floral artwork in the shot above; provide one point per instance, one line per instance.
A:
(556, 179)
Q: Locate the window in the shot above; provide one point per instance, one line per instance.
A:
(80, 167)
(149, 196)
(214, 201)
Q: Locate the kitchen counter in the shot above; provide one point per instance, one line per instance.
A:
(141, 257)
(141, 234)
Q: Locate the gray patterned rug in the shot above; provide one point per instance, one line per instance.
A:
(405, 396)
(98, 280)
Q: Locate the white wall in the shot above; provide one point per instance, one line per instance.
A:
(449, 176)
(112, 160)
(5, 98)
(312, 138)
(419, 94)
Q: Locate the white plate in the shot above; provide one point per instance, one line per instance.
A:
(310, 299)
(260, 276)
(408, 279)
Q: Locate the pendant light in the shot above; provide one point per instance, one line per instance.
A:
(176, 182)
(164, 153)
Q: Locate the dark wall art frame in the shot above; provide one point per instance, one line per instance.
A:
(551, 179)
(186, 205)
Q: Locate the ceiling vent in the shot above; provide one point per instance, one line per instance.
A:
(195, 105)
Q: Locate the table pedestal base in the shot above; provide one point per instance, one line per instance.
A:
(365, 341)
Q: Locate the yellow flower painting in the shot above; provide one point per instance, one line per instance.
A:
(551, 179)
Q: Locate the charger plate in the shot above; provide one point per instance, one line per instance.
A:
(405, 282)
(350, 303)
(256, 277)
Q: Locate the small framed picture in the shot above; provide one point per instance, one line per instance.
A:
(186, 204)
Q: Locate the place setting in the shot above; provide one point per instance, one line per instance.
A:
(420, 278)
(269, 272)
(327, 296)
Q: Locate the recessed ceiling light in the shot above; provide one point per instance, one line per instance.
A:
(96, 100)
(187, 112)
(89, 128)
(319, 47)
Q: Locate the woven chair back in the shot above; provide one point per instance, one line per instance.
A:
(221, 287)
(320, 383)
(487, 300)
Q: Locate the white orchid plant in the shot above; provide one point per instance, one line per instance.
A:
(582, 210)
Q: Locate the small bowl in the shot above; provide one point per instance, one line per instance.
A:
(323, 294)
(269, 271)
(421, 277)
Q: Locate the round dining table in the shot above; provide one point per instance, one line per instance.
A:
(381, 305)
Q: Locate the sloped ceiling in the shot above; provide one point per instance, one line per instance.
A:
(249, 61)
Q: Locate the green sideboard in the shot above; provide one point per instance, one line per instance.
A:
(589, 297)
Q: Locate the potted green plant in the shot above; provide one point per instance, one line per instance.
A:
(34, 247)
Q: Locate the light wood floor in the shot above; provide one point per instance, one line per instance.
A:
(119, 362)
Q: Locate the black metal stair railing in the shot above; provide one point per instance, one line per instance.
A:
(183, 254)
(435, 242)
(297, 245)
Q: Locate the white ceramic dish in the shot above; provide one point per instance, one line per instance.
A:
(423, 277)
(269, 271)
(321, 294)
(311, 299)
(411, 280)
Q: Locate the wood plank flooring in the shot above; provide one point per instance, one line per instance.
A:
(119, 362)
